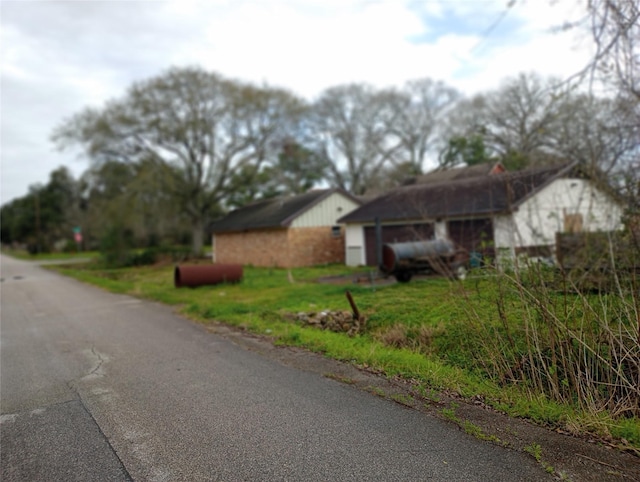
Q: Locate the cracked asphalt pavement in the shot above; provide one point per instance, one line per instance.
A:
(100, 386)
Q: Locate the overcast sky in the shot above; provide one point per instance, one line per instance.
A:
(57, 57)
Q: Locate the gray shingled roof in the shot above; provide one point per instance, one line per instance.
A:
(476, 196)
(271, 213)
(457, 173)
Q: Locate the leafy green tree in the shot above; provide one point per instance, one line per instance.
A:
(130, 197)
(106, 199)
(464, 150)
(195, 126)
(18, 220)
(248, 184)
(297, 169)
(58, 202)
(45, 216)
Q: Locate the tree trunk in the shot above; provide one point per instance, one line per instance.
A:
(197, 236)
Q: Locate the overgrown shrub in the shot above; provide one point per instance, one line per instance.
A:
(70, 246)
(571, 346)
(142, 258)
(115, 247)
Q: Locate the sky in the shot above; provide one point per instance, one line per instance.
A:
(58, 57)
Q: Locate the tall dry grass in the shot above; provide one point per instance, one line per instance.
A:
(570, 336)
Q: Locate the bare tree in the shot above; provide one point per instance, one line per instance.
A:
(615, 29)
(529, 121)
(365, 134)
(420, 109)
(599, 132)
(351, 126)
(514, 121)
(614, 26)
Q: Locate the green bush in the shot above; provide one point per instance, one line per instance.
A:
(142, 258)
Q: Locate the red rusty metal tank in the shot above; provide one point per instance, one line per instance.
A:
(210, 274)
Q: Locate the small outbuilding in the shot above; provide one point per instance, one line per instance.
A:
(287, 232)
(492, 215)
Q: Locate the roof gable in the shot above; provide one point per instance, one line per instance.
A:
(272, 213)
(475, 196)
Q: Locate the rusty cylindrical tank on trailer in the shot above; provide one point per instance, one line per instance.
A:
(211, 274)
(394, 254)
(442, 256)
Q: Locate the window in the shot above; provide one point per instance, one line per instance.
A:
(336, 232)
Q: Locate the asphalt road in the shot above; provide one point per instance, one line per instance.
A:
(96, 386)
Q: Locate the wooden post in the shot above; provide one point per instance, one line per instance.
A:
(354, 308)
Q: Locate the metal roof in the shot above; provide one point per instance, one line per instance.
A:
(476, 196)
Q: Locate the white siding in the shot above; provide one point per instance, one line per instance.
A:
(535, 222)
(505, 238)
(326, 212)
(538, 219)
(354, 256)
(354, 245)
(505, 234)
(440, 230)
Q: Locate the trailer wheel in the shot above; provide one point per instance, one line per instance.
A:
(403, 276)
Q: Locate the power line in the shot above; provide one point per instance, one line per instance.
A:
(501, 16)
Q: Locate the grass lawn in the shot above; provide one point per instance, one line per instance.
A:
(472, 337)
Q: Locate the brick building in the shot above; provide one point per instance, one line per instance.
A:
(285, 232)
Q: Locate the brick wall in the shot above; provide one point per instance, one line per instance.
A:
(258, 248)
(280, 247)
(313, 246)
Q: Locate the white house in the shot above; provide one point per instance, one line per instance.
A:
(500, 214)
